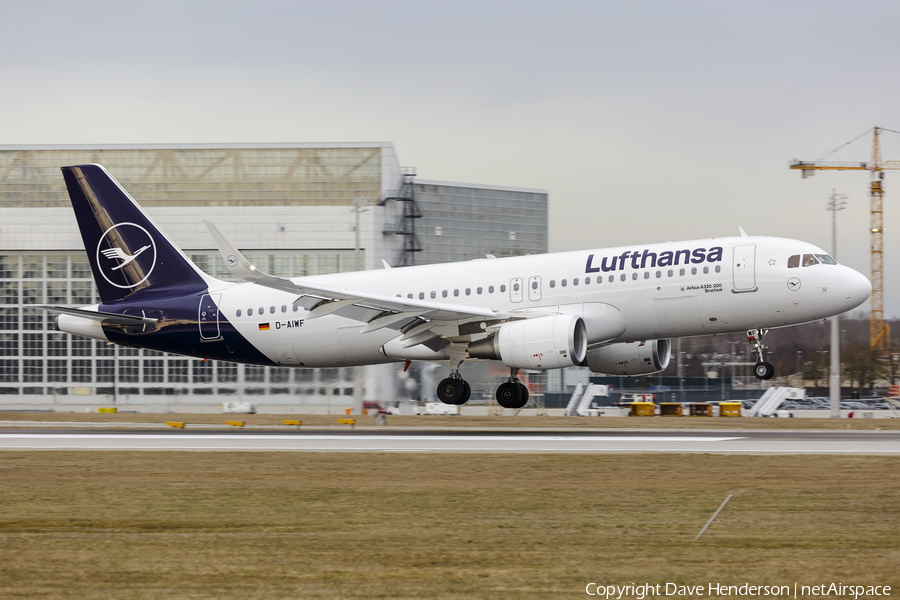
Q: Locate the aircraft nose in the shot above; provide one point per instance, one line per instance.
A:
(858, 288)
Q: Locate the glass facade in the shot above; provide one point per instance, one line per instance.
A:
(35, 360)
(463, 223)
(189, 176)
(457, 222)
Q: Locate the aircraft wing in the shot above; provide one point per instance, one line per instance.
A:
(97, 315)
(376, 310)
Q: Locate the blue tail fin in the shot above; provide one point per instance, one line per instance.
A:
(129, 253)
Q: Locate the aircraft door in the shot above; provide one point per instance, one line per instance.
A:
(208, 317)
(515, 289)
(285, 355)
(745, 268)
(534, 288)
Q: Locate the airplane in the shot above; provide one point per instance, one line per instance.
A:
(614, 310)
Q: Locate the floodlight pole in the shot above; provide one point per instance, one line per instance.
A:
(835, 203)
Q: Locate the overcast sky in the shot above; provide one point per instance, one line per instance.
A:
(646, 120)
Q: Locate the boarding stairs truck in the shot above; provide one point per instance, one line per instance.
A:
(580, 402)
(767, 405)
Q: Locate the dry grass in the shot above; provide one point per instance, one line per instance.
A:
(320, 525)
(436, 421)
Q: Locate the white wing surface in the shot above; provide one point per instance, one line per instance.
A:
(375, 310)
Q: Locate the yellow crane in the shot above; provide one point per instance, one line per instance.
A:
(879, 331)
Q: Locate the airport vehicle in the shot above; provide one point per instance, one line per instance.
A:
(376, 406)
(614, 310)
(439, 408)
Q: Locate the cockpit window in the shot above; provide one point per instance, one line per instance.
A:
(809, 260)
(794, 261)
(825, 259)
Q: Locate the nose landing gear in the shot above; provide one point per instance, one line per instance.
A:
(513, 393)
(763, 369)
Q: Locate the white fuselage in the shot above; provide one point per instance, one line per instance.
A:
(746, 284)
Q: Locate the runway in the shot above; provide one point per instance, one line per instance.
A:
(488, 441)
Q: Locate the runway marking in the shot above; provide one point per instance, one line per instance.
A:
(491, 438)
(446, 443)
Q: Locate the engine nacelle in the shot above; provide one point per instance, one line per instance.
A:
(541, 343)
(632, 358)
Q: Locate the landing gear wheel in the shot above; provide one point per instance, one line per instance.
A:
(524, 391)
(467, 391)
(509, 395)
(452, 391)
(764, 370)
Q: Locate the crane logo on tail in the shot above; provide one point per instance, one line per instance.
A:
(114, 253)
(118, 251)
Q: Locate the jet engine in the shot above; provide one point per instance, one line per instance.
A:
(631, 358)
(539, 343)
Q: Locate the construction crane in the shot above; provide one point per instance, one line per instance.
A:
(879, 330)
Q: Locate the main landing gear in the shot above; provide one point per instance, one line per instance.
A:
(513, 393)
(762, 369)
(454, 389)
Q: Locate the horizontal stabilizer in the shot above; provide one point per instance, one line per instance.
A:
(97, 315)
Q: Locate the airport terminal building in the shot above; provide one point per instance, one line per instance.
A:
(293, 209)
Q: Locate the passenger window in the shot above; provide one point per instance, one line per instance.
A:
(646, 274)
(503, 288)
(612, 278)
(444, 294)
(718, 268)
(409, 296)
(634, 276)
(516, 287)
(693, 270)
(296, 308)
(534, 285)
(468, 291)
(809, 260)
(456, 292)
(563, 283)
(553, 283)
(575, 281)
(794, 261)
(421, 295)
(658, 274)
(433, 295)
(490, 289)
(238, 313)
(284, 308)
(478, 290)
(622, 276)
(249, 312)
(261, 311)
(587, 281)
(705, 270)
(599, 278)
(671, 272)
(272, 310)
(681, 272)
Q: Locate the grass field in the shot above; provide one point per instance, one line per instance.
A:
(432, 421)
(321, 525)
